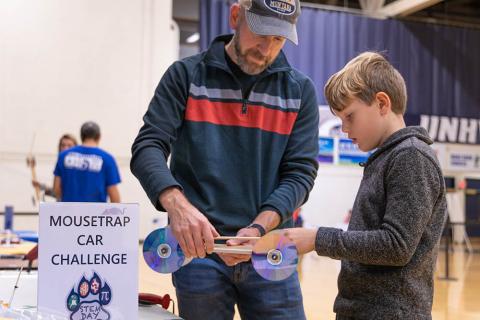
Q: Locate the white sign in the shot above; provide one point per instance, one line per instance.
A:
(464, 161)
(88, 260)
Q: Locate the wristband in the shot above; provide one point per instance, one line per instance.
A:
(259, 227)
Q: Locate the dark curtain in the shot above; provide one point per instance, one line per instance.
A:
(440, 64)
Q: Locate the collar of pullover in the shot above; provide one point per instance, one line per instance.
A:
(399, 136)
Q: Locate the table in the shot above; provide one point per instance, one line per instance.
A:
(11, 257)
(25, 299)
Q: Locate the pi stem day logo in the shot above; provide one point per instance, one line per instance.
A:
(88, 301)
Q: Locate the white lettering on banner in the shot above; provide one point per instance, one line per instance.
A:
(430, 123)
(451, 129)
(448, 129)
(468, 127)
(85, 162)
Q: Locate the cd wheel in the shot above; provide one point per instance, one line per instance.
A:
(274, 256)
(162, 253)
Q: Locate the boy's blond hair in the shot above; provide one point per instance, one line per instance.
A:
(362, 78)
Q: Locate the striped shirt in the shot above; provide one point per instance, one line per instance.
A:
(233, 156)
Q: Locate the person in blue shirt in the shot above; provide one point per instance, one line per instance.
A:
(86, 173)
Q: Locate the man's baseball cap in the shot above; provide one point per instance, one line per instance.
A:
(273, 17)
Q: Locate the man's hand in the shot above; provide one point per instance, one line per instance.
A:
(268, 219)
(303, 238)
(190, 227)
(233, 259)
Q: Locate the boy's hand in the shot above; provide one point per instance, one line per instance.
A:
(303, 238)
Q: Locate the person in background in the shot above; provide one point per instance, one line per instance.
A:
(66, 141)
(86, 173)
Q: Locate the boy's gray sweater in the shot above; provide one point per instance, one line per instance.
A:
(389, 251)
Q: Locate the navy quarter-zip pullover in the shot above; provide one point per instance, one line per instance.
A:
(233, 156)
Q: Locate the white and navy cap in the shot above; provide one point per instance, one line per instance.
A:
(273, 17)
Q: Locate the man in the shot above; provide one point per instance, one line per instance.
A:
(86, 173)
(241, 126)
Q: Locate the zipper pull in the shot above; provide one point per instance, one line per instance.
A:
(244, 107)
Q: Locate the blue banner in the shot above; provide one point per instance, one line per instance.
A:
(349, 153)
(440, 64)
(326, 149)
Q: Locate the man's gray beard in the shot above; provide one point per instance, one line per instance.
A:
(242, 59)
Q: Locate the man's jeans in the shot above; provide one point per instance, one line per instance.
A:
(208, 289)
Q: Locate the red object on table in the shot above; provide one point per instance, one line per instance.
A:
(150, 298)
(32, 254)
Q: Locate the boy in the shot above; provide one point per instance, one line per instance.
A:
(389, 251)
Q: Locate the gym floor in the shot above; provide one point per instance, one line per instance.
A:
(452, 300)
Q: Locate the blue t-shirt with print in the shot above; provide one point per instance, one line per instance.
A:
(86, 173)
